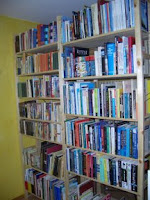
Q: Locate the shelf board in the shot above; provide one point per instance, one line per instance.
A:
(39, 120)
(116, 187)
(40, 49)
(123, 76)
(37, 98)
(39, 73)
(105, 118)
(95, 41)
(28, 166)
(42, 139)
(34, 195)
(102, 153)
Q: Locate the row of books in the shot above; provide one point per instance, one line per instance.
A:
(102, 17)
(107, 99)
(49, 158)
(40, 110)
(41, 130)
(107, 169)
(111, 59)
(42, 35)
(44, 186)
(37, 63)
(114, 138)
(47, 86)
(86, 190)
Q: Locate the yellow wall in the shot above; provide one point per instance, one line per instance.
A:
(11, 180)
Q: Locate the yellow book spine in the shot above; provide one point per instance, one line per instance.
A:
(105, 170)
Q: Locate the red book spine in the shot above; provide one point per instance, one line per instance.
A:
(103, 139)
(26, 185)
(99, 3)
(87, 165)
(131, 41)
(91, 166)
(46, 62)
(77, 135)
(54, 149)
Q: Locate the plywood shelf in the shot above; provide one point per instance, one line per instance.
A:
(40, 73)
(39, 120)
(42, 139)
(104, 118)
(110, 77)
(95, 41)
(41, 49)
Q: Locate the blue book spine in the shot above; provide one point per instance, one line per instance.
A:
(55, 193)
(106, 21)
(88, 68)
(125, 60)
(126, 105)
(113, 107)
(127, 13)
(135, 143)
(102, 169)
(111, 17)
(75, 161)
(110, 56)
(118, 141)
(89, 21)
(100, 139)
(92, 66)
(132, 13)
(90, 102)
(128, 142)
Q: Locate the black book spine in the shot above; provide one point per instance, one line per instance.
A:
(134, 177)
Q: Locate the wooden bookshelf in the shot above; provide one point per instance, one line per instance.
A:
(42, 139)
(142, 121)
(94, 41)
(41, 49)
(39, 120)
(105, 118)
(40, 73)
(108, 77)
(37, 98)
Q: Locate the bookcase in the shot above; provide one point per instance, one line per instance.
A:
(138, 122)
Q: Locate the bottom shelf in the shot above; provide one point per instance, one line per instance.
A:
(32, 194)
(116, 187)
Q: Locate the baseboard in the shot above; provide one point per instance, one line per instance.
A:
(19, 198)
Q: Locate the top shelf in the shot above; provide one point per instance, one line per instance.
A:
(95, 41)
(41, 49)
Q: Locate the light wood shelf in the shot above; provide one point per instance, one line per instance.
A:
(107, 184)
(32, 194)
(42, 139)
(104, 77)
(40, 73)
(102, 153)
(104, 118)
(95, 41)
(39, 120)
(28, 166)
(24, 99)
(41, 49)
